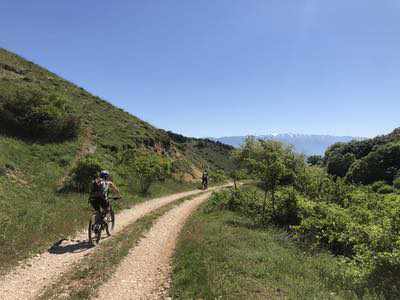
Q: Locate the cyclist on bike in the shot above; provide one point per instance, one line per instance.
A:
(101, 187)
(204, 179)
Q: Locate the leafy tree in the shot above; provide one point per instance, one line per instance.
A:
(295, 165)
(236, 175)
(381, 164)
(314, 182)
(84, 172)
(217, 176)
(358, 148)
(265, 161)
(338, 164)
(315, 160)
(147, 168)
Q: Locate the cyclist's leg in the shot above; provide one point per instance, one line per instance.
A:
(94, 203)
(105, 205)
(96, 216)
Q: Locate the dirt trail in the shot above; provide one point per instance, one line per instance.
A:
(27, 280)
(145, 272)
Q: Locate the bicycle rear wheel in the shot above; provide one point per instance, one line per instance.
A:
(94, 230)
(110, 221)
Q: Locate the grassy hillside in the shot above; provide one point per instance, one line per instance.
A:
(34, 164)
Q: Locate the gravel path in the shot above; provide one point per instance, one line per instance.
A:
(145, 272)
(27, 280)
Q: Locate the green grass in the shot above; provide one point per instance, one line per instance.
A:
(221, 256)
(33, 214)
(31, 224)
(94, 270)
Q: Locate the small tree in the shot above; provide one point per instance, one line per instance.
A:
(315, 160)
(265, 161)
(217, 176)
(339, 164)
(84, 172)
(147, 169)
(396, 183)
(236, 175)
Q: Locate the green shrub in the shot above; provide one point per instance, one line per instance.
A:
(385, 276)
(180, 168)
(325, 224)
(339, 164)
(32, 113)
(385, 189)
(383, 163)
(315, 160)
(147, 168)
(218, 201)
(248, 201)
(361, 224)
(316, 184)
(217, 176)
(287, 209)
(381, 187)
(237, 175)
(84, 172)
(367, 232)
(396, 183)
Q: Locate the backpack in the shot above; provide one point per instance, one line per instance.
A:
(99, 189)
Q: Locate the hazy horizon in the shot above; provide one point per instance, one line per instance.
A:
(288, 133)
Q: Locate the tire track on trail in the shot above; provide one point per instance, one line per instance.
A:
(27, 280)
(145, 272)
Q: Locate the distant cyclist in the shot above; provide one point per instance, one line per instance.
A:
(101, 187)
(204, 179)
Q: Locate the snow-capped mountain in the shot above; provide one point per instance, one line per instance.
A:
(309, 144)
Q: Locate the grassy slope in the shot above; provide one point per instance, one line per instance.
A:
(219, 255)
(33, 214)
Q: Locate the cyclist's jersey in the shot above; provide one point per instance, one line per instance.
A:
(106, 188)
(101, 188)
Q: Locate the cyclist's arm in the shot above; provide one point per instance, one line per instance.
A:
(115, 189)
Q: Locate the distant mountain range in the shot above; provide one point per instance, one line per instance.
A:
(309, 144)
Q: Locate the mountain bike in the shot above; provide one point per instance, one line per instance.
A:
(101, 221)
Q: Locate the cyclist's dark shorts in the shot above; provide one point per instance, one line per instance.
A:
(98, 202)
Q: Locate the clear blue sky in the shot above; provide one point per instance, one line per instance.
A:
(215, 68)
